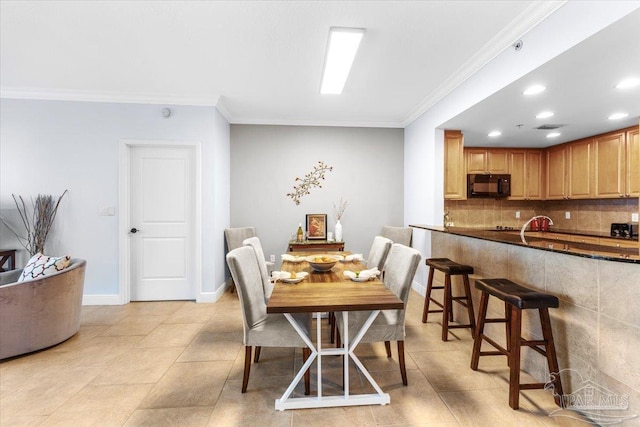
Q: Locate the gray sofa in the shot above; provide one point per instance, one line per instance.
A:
(40, 313)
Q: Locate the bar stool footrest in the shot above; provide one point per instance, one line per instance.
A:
(460, 326)
(532, 386)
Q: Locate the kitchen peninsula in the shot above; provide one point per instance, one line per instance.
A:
(597, 326)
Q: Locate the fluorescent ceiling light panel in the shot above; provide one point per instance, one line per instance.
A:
(494, 133)
(341, 50)
(553, 135)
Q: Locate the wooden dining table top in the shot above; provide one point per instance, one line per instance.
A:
(330, 291)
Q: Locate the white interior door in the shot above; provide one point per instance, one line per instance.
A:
(162, 222)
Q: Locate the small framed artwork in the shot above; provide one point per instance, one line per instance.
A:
(317, 226)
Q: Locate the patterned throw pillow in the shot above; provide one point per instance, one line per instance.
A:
(41, 265)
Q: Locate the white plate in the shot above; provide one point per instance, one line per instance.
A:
(361, 279)
(295, 260)
(296, 280)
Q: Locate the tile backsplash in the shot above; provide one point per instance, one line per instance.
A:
(586, 215)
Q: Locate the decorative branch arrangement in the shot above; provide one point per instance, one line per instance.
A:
(44, 210)
(338, 211)
(310, 180)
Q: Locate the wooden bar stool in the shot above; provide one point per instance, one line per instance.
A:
(449, 268)
(516, 299)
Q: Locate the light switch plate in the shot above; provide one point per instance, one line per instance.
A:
(634, 217)
(567, 215)
(517, 214)
(273, 258)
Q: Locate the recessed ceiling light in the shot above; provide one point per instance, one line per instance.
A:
(341, 51)
(628, 83)
(544, 115)
(494, 133)
(553, 134)
(618, 116)
(532, 90)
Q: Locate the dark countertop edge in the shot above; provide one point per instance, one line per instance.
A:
(484, 234)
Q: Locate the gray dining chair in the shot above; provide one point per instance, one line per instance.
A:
(388, 326)
(378, 253)
(235, 238)
(400, 235)
(260, 328)
(254, 242)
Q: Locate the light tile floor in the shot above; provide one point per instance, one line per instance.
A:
(180, 363)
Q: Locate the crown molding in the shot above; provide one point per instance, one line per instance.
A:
(107, 97)
(522, 24)
(329, 123)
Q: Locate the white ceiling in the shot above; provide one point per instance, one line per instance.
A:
(258, 61)
(580, 91)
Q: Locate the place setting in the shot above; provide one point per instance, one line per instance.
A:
(288, 276)
(362, 275)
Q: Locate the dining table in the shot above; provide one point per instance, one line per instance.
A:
(331, 291)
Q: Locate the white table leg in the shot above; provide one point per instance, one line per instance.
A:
(347, 350)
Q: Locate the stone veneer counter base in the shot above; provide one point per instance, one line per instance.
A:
(597, 326)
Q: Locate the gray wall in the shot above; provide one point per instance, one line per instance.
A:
(367, 171)
(49, 146)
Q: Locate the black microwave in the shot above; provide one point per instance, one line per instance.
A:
(494, 186)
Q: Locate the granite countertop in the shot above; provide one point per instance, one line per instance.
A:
(631, 255)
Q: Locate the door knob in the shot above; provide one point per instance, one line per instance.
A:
(134, 230)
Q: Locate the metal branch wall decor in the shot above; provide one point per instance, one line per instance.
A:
(310, 180)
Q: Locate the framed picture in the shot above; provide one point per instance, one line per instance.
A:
(317, 226)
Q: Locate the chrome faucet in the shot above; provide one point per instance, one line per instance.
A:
(524, 227)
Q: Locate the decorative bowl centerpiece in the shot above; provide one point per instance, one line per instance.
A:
(322, 262)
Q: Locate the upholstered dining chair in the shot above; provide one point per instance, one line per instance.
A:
(254, 242)
(378, 253)
(235, 238)
(261, 329)
(376, 259)
(400, 235)
(388, 326)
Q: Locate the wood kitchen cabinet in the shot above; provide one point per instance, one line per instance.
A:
(618, 243)
(570, 171)
(455, 182)
(591, 240)
(632, 157)
(526, 169)
(610, 165)
(581, 181)
(557, 165)
(617, 159)
(487, 160)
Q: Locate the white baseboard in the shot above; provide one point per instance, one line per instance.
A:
(419, 288)
(208, 297)
(114, 299)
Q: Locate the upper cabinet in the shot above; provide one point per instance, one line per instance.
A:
(526, 169)
(487, 160)
(581, 181)
(610, 165)
(598, 167)
(557, 167)
(569, 171)
(455, 184)
(617, 164)
(632, 156)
